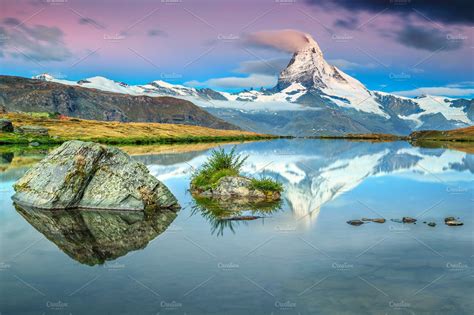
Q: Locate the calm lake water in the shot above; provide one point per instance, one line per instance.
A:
(302, 258)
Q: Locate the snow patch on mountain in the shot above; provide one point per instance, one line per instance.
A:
(438, 104)
(353, 94)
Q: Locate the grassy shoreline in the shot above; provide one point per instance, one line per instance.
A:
(134, 133)
(26, 140)
(373, 137)
(118, 133)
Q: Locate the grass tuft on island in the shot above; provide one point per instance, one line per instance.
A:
(221, 164)
(62, 129)
(266, 184)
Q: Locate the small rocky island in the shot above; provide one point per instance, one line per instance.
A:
(220, 178)
(92, 176)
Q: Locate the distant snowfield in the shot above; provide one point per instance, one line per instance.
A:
(437, 104)
(274, 102)
(348, 93)
(245, 106)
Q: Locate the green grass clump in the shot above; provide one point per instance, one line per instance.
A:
(218, 165)
(266, 184)
(221, 164)
(220, 160)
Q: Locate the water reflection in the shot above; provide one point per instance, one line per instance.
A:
(393, 268)
(229, 214)
(317, 172)
(94, 237)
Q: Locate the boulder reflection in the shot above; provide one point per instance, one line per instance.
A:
(93, 237)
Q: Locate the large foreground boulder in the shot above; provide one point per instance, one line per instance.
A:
(90, 175)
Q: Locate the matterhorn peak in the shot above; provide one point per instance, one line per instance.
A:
(307, 66)
(310, 44)
(309, 69)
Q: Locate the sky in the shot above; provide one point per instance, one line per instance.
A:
(405, 46)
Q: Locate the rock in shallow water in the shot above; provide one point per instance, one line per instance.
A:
(238, 186)
(243, 218)
(408, 220)
(376, 220)
(355, 222)
(90, 175)
(452, 221)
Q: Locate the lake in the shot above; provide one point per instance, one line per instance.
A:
(300, 258)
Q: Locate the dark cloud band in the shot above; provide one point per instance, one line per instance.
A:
(447, 12)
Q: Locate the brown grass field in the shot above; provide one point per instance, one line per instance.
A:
(120, 133)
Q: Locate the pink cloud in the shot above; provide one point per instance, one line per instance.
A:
(286, 40)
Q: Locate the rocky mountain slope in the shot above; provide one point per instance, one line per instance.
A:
(29, 95)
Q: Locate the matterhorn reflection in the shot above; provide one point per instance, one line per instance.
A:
(315, 172)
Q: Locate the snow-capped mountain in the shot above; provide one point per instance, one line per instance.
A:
(335, 102)
(155, 88)
(309, 71)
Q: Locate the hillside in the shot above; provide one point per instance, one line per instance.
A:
(457, 139)
(28, 95)
(118, 132)
(462, 134)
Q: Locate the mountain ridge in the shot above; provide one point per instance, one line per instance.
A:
(309, 82)
(29, 95)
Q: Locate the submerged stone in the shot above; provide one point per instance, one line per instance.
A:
(243, 218)
(454, 223)
(90, 175)
(355, 222)
(408, 220)
(376, 220)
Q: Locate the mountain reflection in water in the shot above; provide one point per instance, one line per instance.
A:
(304, 254)
(315, 172)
